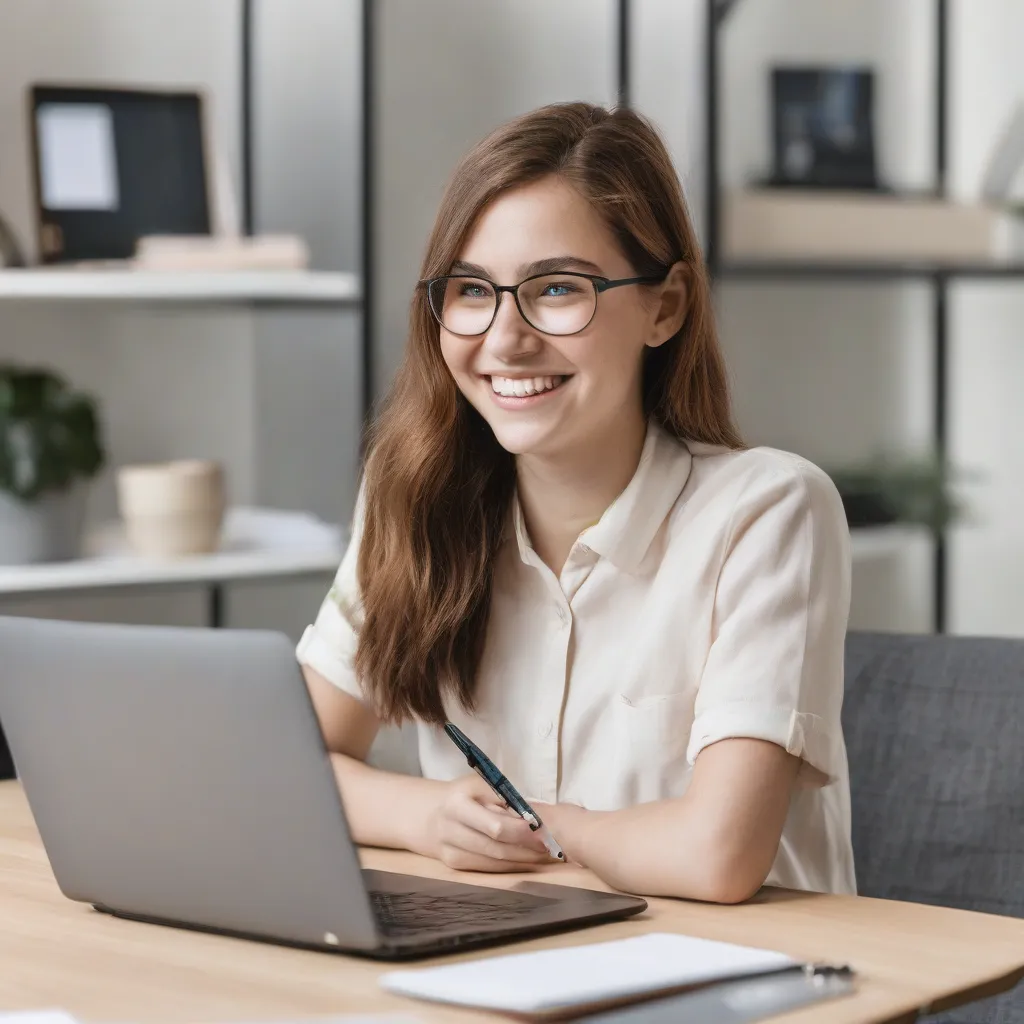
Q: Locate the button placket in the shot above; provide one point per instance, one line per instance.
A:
(544, 733)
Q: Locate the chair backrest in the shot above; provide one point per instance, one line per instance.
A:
(934, 730)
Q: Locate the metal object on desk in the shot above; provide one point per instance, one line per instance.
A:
(738, 1002)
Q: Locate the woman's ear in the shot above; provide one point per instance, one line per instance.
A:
(671, 305)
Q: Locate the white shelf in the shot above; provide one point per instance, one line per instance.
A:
(241, 286)
(871, 543)
(256, 544)
(263, 544)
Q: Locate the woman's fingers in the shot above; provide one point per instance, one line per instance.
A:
(475, 831)
(461, 836)
(463, 860)
(497, 825)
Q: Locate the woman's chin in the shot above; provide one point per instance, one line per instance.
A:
(523, 439)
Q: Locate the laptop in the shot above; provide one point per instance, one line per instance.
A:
(179, 776)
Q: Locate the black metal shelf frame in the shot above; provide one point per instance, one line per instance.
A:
(937, 276)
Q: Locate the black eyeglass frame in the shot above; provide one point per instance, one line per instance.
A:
(601, 284)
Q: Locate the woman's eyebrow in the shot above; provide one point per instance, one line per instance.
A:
(552, 265)
(469, 269)
(559, 263)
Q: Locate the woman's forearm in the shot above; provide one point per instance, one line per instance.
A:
(385, 808)
(662, 849)
(717, 842)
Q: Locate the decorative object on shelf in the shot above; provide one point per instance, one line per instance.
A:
(172, 509)
(823, 127)
(50, 445)
(171, 253)
(111, 165)
(818, 225)
(918, 492)
(11, 254)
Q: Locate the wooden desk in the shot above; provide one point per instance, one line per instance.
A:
(55, 953)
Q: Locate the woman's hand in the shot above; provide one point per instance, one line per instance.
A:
(470, 828)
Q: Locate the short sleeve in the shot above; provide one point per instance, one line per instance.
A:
(328, 646)
(775, 666)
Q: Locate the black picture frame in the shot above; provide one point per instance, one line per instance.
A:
(823, 128)
(162, 169)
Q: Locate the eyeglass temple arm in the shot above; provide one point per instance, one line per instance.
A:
(603, 286)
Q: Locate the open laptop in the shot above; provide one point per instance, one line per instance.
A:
(179, 776)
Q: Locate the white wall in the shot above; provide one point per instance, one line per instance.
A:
(838, 372)
(447, 73)
(987, 354)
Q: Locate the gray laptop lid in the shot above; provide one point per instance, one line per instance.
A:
(180, 774)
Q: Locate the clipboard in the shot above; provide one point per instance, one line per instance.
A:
(738, 1001)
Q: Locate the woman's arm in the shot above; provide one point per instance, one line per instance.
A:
(461, 823)
(717, 842)
(349, 728)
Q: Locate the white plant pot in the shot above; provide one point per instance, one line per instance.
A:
(48, 529)
(172, 509)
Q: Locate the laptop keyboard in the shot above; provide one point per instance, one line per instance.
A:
(405, 913)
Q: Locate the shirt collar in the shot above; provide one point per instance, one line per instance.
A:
(627, 529)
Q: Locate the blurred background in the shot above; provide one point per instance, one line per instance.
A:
(221, 208)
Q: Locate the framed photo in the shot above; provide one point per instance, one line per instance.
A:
(112, 165)
(823, 128)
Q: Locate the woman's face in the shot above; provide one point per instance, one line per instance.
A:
(544, 394)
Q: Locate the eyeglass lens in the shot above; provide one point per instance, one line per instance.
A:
(554, 304)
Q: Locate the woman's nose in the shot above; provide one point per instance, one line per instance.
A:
(510, 336)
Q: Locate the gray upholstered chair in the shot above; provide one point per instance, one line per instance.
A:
(935, 736)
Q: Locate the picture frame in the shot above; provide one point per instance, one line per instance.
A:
(112, 164)
(823, 128)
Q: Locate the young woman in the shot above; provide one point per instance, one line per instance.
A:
(562, 546)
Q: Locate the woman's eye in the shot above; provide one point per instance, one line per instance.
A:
(557, 291)
(473, 291)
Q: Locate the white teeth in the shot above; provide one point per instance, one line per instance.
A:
(521, 387)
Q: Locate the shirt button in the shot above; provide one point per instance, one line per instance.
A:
(563, 615)
(545, 729)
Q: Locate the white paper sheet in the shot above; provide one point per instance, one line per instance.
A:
(37, 1017)
(580, 975)
(60, 1017)
(77, 159)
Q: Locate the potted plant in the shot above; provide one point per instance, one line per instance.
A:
(50, 444)
(916, 491)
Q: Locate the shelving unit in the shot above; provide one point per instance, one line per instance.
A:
(247, 551)
(262, 287)
(836, 271)
(870, 543)
(938, 276)
(256, 544)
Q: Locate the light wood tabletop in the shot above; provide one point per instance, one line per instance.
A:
(55, 953)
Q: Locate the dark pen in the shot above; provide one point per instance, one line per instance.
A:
(488, 771)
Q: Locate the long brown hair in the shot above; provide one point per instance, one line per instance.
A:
(438, 487)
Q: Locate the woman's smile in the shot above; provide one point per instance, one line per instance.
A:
(525, 392)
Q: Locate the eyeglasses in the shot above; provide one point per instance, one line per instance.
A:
(558, 304)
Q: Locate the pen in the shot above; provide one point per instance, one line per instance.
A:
(489, 772)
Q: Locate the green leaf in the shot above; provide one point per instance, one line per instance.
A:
(50, 436)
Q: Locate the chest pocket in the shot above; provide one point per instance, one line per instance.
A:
(651, 735)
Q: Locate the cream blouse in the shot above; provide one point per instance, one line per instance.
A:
(710, 601)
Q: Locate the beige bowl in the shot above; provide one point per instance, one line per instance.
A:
(172, 508)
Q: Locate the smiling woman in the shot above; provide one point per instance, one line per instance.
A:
(563, 547)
